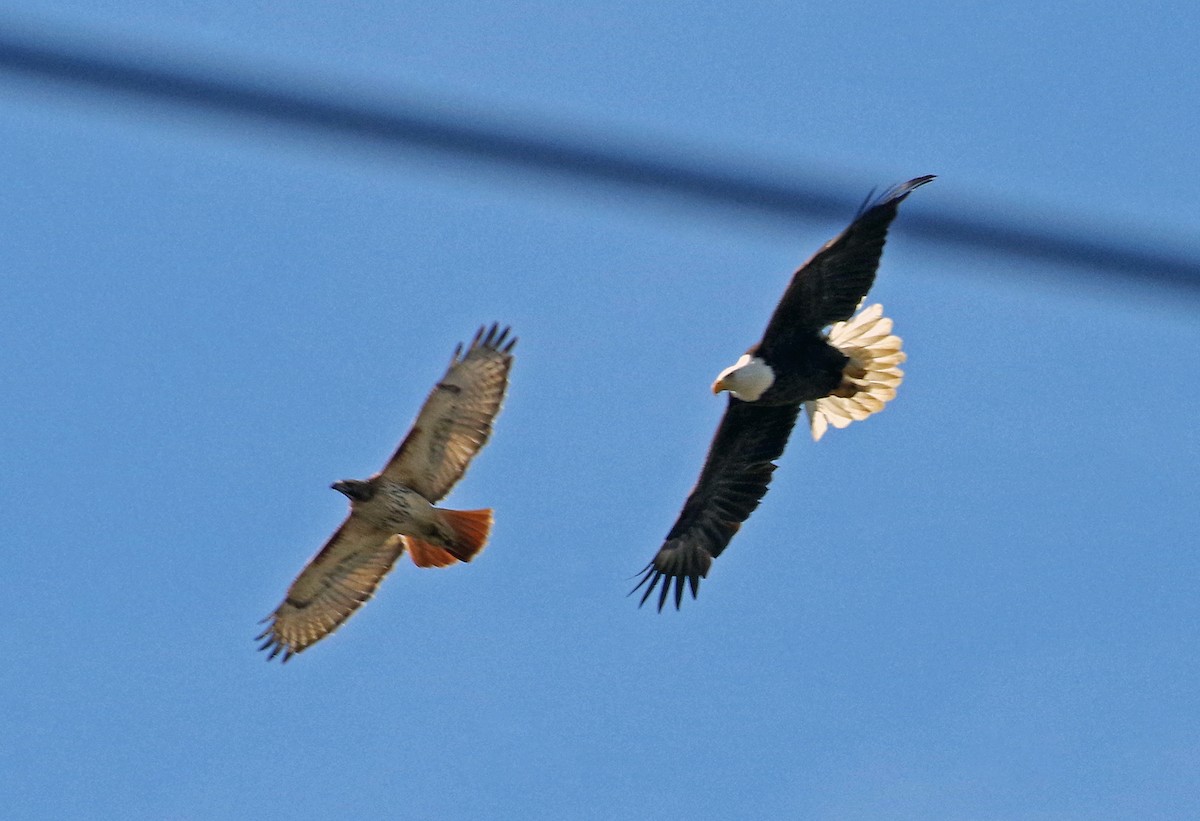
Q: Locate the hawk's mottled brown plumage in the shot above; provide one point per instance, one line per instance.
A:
(394, 509)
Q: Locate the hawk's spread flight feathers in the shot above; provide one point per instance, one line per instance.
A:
(456, 420)
(393, 510)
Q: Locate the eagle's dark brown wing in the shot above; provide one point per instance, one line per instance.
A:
(828, 287)
(732, 483)
(456, 419)
(335, 582)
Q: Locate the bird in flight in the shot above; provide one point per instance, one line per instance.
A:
(815, 354)
(394, 510)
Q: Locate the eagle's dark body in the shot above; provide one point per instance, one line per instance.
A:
(806, 368)
(796, 363)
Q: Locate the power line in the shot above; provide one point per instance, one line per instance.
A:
(407, 125)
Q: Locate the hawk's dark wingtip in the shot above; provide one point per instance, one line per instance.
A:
(495, 337)
(273, 645)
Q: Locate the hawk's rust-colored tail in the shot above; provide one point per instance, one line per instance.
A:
(872, 375)
(471, 529)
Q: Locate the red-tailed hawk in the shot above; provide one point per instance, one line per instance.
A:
(841, 374)
(394, 511)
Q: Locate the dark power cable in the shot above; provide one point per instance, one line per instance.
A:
(403, 124)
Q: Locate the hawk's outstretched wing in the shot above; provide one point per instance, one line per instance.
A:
(456, 419)
(335, 582)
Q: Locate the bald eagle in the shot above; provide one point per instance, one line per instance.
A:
(839, 375)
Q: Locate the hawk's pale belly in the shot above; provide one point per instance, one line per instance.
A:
(392, 512)
(399, 509)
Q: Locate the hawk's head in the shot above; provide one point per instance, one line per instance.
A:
(355, 490)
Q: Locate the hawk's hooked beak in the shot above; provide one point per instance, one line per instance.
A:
(354, 490)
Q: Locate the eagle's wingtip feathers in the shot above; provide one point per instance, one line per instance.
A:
(894, 195)
(676, 568)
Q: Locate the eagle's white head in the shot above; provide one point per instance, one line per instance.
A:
(747, 379)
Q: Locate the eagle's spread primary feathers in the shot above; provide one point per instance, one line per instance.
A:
(393, 510)
(840, 376)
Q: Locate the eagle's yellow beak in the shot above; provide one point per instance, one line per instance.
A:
(719, 386)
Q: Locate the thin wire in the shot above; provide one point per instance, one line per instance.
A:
(404, 124)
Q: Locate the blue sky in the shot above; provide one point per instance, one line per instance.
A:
(979, 604)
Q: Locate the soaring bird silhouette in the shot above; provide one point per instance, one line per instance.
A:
(841, 374)
(394, 509)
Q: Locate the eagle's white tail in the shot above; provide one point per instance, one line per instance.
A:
(872, 375)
